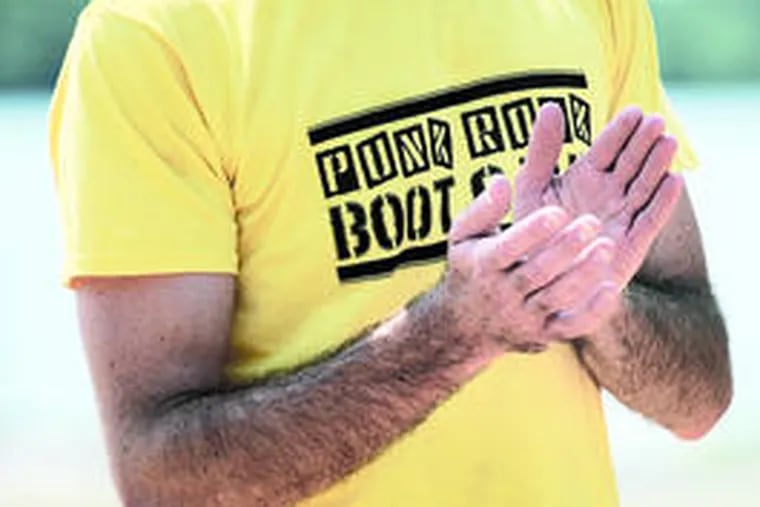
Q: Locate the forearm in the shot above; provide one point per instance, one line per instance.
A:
(293, 435)
(665, 355)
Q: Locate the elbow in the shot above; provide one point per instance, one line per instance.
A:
(158, 473)
(716, 396)
(140, 468)
(699, 426)
(135, 484)
(141, 485)
(693, 434)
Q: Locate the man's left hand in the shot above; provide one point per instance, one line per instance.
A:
(623, 180)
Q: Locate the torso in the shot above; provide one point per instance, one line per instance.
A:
(355, 132)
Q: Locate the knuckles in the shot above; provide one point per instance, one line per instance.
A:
(524, 278)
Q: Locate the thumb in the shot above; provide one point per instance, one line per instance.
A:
(485, 213)
(543, 152)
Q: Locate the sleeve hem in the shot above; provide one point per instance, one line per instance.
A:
(104, 266)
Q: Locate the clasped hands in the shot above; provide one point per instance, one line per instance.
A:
(576, 241)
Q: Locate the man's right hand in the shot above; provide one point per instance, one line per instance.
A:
(623, 180)
(494, 275)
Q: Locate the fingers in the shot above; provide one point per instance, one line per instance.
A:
(502, 251)
(650, 220)
(586, 320)
(543, 151)
(484, 214)
(613, 138)
(556, 257)
(638, 148)
(647, 181)
(576, 284)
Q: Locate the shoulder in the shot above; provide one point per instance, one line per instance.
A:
(164, 11)
(189, 56)
(176, 22)
(626, 17)
(199, 42)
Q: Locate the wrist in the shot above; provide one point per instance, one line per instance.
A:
(458, 328)
(608, 340)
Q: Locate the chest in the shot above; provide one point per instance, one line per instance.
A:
(370, 125)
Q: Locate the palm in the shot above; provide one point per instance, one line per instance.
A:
(622, 180)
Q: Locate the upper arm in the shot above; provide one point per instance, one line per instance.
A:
(149, 339)
(147, 212)
(677, 254)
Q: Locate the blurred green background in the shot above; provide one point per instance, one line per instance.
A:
(700, 40)
(33, 39)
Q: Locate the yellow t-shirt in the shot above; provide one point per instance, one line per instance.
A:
(319, 150)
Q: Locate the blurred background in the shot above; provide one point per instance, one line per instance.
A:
(50, 446)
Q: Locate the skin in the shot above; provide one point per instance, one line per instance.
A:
(664, 351)
(178, 436)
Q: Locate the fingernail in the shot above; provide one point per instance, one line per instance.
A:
(497, 190)
(634, 113)
(586, 231)
(604, 255)
(658, 122)
(553, 219)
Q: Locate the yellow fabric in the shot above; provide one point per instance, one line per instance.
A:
(635, 72)
(287, 142)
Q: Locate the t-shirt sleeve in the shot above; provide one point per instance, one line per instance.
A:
(141, 181)
(636, 72)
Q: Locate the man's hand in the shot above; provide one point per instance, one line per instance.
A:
(664, 351)
(623, 180)
(508, 286)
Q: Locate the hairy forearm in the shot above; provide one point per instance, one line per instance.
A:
(665, 355)
(295, 434)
